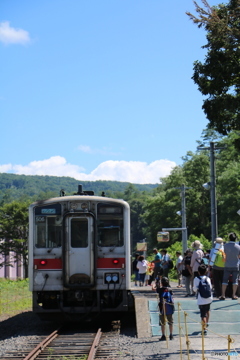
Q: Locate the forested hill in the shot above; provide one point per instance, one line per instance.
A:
(20, 187)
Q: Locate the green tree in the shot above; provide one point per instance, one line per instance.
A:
(228, 186)
(218, 78)
(161, 210)
(14, 232)
(136, 200)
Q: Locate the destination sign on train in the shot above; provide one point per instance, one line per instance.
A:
(48, 211)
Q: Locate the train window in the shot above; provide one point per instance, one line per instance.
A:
(48, 232)
(110, 233)
(109, 209)
(79, 232)
(110, 224)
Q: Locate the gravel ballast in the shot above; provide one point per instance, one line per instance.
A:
(20, 329)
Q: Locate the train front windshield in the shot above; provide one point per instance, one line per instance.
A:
(110, 226)
(48, 229)
(48, 234)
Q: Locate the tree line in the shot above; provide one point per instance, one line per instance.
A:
(22, 187)
(156, 209)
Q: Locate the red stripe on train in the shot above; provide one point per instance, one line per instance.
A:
(110, 263)
(48, 264)
(102, 263)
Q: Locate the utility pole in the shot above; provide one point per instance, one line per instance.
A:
(214, 223)
(183, 214)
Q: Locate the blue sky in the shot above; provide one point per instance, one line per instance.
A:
(98, 89)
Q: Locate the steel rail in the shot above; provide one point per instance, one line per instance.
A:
(42, 345)
(94, 346)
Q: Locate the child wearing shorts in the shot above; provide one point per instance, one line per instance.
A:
(166, 307)
(204, 295)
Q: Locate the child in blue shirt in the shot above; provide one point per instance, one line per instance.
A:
(166, 307)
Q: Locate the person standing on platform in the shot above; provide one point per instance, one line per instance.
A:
(197, 256)
(149, 274)
(157, 264)
(179, 267)
(142, 269)
(135, 269)
(202, 285)
(187, 273)
(165, 258)
(217, 263)
(166, 307)
(232, 252)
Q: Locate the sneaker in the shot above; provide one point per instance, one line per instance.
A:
(162, 338)
(205, 332)
(171, 337)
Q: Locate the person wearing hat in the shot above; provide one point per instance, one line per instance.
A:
(197, 256)
(217, 262)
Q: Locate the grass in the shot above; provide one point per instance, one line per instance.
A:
(14, 296)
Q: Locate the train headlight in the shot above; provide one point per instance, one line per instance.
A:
(73, 206)
(115, 278)
(84, 206)
(108, 278)
(43, 262)
(115, 261)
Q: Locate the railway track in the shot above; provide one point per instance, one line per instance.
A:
(74, 345)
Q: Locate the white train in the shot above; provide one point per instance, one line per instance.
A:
(79, 256)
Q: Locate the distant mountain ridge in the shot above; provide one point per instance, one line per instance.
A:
(13, 187)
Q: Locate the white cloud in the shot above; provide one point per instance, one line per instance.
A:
(130, 171)
(104, 151)
(5, 168)
(133, 171)
(55, 166)
(10, 35)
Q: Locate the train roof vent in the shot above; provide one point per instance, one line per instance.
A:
(81, 192)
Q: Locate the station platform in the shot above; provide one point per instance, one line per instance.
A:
(224, 316)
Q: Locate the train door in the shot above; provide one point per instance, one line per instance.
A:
(79, 257)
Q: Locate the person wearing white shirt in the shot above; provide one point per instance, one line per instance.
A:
(203, 303)
(142, 269)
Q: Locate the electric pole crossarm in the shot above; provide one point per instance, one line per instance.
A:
(173, 229)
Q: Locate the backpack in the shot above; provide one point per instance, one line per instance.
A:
(170, 264)
(204, 288)
(166, 294)
(220, 259)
